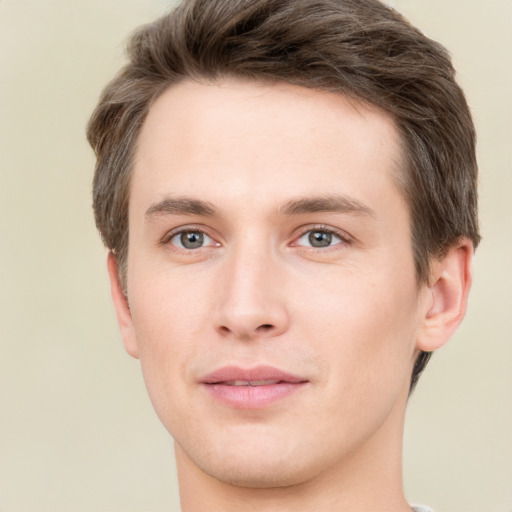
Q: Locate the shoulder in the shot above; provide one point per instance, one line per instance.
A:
(421, 508)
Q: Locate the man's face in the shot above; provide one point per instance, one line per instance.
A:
(271, 283)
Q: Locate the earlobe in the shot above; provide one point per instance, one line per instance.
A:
(124, 317)
(449, 290)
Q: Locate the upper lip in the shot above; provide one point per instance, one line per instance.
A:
(229, 374)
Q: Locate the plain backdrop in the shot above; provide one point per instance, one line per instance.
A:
(77, 432)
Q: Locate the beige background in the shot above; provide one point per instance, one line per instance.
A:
(77, 432)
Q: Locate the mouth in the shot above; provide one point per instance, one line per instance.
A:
(253, 383)
(253, 388)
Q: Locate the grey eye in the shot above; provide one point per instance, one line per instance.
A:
(191, 240)
(319, 238)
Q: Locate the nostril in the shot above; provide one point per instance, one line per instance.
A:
(265, 327)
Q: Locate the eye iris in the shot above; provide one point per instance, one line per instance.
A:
(192, 240)
(320, 239)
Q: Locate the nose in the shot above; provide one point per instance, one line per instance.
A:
(251, 302)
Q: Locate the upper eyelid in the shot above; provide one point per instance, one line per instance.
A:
(169, 235)
(322, 227)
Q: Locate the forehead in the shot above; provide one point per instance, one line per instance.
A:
(231, 138)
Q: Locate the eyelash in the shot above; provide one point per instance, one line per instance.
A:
(182, 230)
(343, 237)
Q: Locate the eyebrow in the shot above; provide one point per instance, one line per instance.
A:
(180, 206)
(327, 204)
(299, 206)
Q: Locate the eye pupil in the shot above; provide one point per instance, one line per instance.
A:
(320, 238)
(192, 239)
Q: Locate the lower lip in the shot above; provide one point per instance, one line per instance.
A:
(253, 397)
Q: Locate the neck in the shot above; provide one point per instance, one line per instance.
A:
(368, 479)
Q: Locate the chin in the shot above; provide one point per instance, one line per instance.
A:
(254, 461)
(258, 474)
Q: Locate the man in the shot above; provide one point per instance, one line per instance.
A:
(287, 189)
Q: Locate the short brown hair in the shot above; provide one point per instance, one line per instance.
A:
(361, 48)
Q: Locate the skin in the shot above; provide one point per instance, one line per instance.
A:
(348, 316)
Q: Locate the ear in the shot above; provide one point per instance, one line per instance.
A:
(124, 316)
(448, 292)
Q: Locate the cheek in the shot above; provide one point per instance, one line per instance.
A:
(364, 329)
(168, 308)
(365, 346)
(170, 319)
